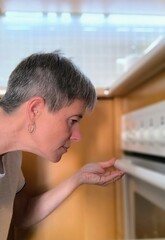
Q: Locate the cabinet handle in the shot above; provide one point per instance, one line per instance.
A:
(150, 176)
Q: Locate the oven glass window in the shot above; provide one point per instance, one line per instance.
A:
(149, 219)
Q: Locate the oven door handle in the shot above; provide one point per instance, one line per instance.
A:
(155, 178)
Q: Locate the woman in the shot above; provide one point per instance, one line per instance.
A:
(46, 97)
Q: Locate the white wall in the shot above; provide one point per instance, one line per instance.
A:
(94, 47)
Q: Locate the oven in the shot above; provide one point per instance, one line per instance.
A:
(143, 160)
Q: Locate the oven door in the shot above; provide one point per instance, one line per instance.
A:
(144, 198)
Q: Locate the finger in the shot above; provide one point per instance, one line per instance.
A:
(110, 177)
(109, 163)
(117, 173)
(113, 180)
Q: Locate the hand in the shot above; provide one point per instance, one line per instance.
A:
(100, 173)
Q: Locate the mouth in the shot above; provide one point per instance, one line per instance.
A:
(65, 148)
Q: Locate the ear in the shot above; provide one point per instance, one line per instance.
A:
(35, 107)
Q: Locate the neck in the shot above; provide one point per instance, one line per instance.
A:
(10, 131)
(14, 133)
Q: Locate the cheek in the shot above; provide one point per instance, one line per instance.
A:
(56, 136)
(53, 133)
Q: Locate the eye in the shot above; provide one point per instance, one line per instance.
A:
(73, 121)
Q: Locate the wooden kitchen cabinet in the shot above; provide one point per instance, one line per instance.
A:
(89, 213)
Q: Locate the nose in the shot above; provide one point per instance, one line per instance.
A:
(75, 136)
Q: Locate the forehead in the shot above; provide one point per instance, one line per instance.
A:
(77, 107)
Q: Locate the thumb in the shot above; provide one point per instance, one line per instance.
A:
(109, 163)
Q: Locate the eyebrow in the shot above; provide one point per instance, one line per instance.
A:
(79, 116)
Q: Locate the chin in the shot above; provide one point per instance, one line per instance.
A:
(55, 159)
(54, 156)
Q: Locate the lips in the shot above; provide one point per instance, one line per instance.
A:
(65, 148)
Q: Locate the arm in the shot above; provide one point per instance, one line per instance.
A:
(30, 211)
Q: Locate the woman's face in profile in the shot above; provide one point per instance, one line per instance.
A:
(55, 131)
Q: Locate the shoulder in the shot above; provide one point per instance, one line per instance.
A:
(14, 159)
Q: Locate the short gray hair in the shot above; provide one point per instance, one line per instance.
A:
(51, 76)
